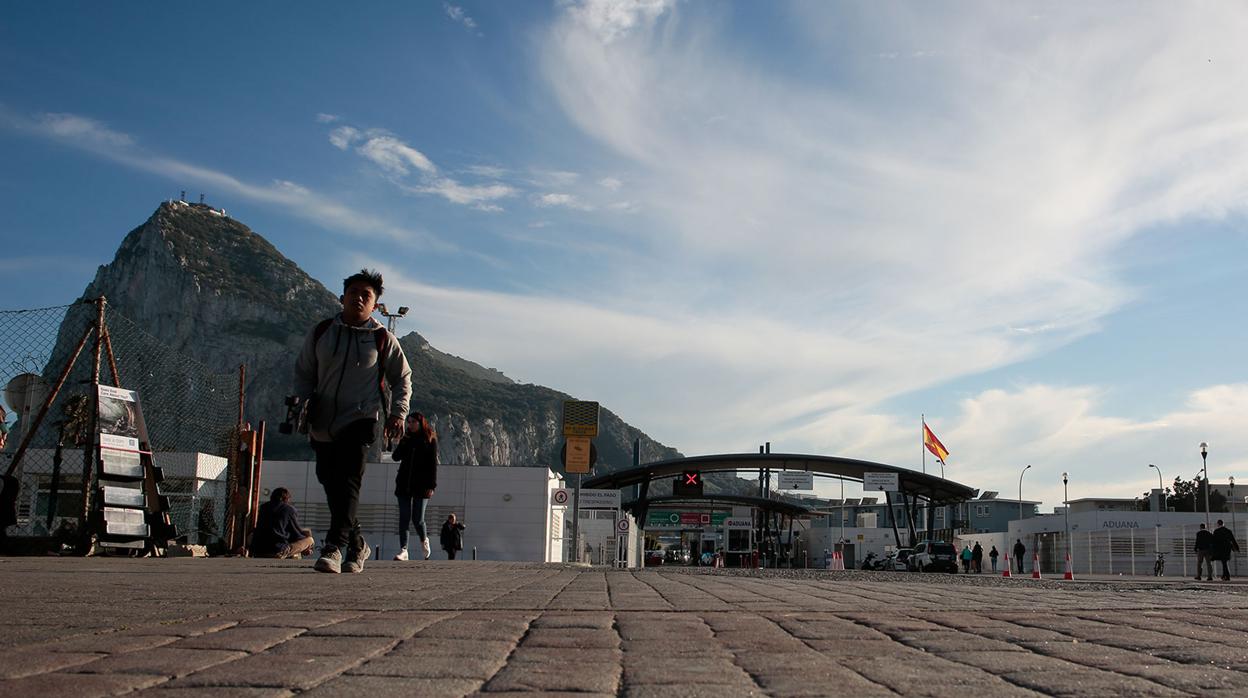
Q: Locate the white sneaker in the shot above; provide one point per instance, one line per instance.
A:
(402, 554)
(424, 545)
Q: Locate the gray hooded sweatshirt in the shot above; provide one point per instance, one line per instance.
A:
(340, 369)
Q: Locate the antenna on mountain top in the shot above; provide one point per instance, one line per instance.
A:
(201, 198)
(183, 197)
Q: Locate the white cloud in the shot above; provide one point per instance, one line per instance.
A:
(610, 183)
(560, 200)
(83, 130)
(890, 245)
(457, 13)
(343, 136)
(394, 156)
(324, 118)
(321, 209)
(487, 171)
(612, 19)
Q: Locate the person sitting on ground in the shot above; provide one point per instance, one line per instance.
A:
(278, 533)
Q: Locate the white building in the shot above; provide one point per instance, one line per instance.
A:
(507, 510)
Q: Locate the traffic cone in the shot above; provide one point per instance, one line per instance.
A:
(1006, 573)
(1070, 574)
(1035, 566)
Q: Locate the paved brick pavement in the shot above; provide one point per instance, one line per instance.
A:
(230, 627)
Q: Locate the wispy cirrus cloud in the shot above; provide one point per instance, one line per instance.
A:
(83, 132)
(553, 199)
(412, 171)
(457, 13)
(889, 247)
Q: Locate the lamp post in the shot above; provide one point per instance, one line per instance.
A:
(1066, 510)
(1020, 492)
(392, 318)
(1234, 557)
(1204, 459)
(1160, 487)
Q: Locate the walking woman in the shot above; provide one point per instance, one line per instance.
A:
(417, 454)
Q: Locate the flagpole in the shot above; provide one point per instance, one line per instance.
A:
(923, 439)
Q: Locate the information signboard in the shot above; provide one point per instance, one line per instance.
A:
(879, 482)
(787, 480)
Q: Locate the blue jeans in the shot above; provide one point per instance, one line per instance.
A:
(407, 507)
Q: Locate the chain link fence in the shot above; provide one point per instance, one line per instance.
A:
(190, 410)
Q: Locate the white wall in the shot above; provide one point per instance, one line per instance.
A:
(506, 509)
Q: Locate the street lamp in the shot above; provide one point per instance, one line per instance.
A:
(392, 318)
(1066, 510)
(1160, 487)
(1234, 557)
(1020, 492)
(1204, 459)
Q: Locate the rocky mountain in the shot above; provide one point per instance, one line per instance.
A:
(213, 290)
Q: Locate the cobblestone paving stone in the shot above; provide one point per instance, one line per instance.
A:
(259, 629)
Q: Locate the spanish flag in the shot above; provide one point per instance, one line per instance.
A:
(934, 445)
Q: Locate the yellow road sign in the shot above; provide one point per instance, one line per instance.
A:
(577, 460)
(580, 418)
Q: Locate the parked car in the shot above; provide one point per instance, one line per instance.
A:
(654, 558)
(934, 556)
(898, 560)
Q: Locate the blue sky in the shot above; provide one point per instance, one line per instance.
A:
(805, 223)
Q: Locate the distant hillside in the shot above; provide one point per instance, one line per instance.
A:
(213, 289)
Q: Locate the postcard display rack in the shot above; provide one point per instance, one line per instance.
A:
(130, 512)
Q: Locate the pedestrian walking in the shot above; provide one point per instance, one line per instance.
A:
(966, 558)
(1204, 553)
(1019, 551)
(417, 454)
(1223, 543)
(992, 556)
(353, 374)
(452, 537)
(977, 558)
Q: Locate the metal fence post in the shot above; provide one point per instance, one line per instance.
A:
(1183, 530)
(1109, 543)
(1132, 532)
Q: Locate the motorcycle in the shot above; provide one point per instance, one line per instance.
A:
(870, 563)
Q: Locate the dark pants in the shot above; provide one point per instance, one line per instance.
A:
(1018, 562)
(450, 554)
(412, 510)
(340, 470)
(1226, 571)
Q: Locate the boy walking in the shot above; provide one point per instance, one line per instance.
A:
(355, 374)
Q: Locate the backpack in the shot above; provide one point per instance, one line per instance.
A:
(380, 337)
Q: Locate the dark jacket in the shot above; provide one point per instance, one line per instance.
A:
(418, 466)
(277, 524)
(1019, 550)
(452, 537)
(1223, 543)
(977, 553)
(1204, 540)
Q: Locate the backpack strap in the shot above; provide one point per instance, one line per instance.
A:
(381, 338)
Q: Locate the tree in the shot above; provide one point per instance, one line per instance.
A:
(1187, 495)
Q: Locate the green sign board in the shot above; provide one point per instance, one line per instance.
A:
(671, 518)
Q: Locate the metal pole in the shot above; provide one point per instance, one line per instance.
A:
(1132, 532)
(1204, 459)
(1066, 511)
(1020, 498)
(576, 521)
(1160, 487)
(1234, 553)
